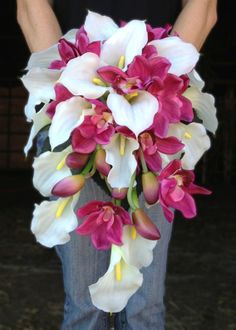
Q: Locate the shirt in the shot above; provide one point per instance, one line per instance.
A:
(72, 13)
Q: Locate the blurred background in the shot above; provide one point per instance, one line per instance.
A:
(200, 281)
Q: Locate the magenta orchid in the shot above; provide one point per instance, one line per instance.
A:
(104, 222)
(69, 50)
(176, 190)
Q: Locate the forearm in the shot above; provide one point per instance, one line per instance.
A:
(38, 23)
(196, 20)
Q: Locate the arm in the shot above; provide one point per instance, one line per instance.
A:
(38, 23)
(196, 20)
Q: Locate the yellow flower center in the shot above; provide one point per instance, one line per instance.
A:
(122, 144)
(99, 82)
(121, 62)
(187, 135)
(61, 164)
(118, 271)
(130, 96)
(133, 233)
(62, 206)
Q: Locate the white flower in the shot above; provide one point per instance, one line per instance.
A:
(99, 27)
(69, 114)
(123, 166)
(203, 103)
(79, 74)
(47, 170)
(127, 41)
(53, 221)
(183, 56)
(196, 142)
(123, 278)
(40, 120)
(136, 114)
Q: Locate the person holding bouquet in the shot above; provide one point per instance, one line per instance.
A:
(42, 27)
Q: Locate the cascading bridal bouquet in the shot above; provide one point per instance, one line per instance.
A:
(124, 102)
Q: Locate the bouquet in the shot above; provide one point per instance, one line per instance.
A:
(126, 103)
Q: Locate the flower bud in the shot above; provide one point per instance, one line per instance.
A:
(119, 193)
(150, 185)
(144, 225)
(69, 186)
(100, 162)
(76, 160)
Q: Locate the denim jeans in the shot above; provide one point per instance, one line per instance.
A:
(82, 265)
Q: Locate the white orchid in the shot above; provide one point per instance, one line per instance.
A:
(123, 164)
(195, 139)
(203, 103)
(50, 168)
(54, 220)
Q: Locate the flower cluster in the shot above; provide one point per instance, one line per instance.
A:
(119, 100)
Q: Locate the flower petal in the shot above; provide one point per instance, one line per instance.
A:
(137, 115)
(45, 173)
(50, 230)
(40, 120)
(111, 295)
(204, 105)
(143, 246)
(99, 27)
(183, 56)
(127, 41)
(69, 114)
(79, 73)
(195, 139)
(122, 166)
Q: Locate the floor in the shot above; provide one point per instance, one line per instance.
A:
(200, 281)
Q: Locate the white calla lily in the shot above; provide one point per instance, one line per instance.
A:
(69, 114)
(40, 120)
(110, 293)
(44, 58)
(137, 251)
(40, 85)
(183, 56)
(79, 74)
(46, 171)
(196, 141)
(123, 166)
(53, 221)
(203, 103)
(99, 27)
(127, 41)
(136, 114)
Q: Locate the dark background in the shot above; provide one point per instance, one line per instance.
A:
(200, 281)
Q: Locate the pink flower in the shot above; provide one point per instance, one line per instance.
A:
(94, 129)
(173, 106)
(68, 50)
(159, 32)
(176, 190)
(104, 222)
(153, 145)
(141, 72)
(62, 94)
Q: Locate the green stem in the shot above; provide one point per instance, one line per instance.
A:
(135, 198)
(89, 165)
(143, 163)
(118, 202)
(129, 194)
